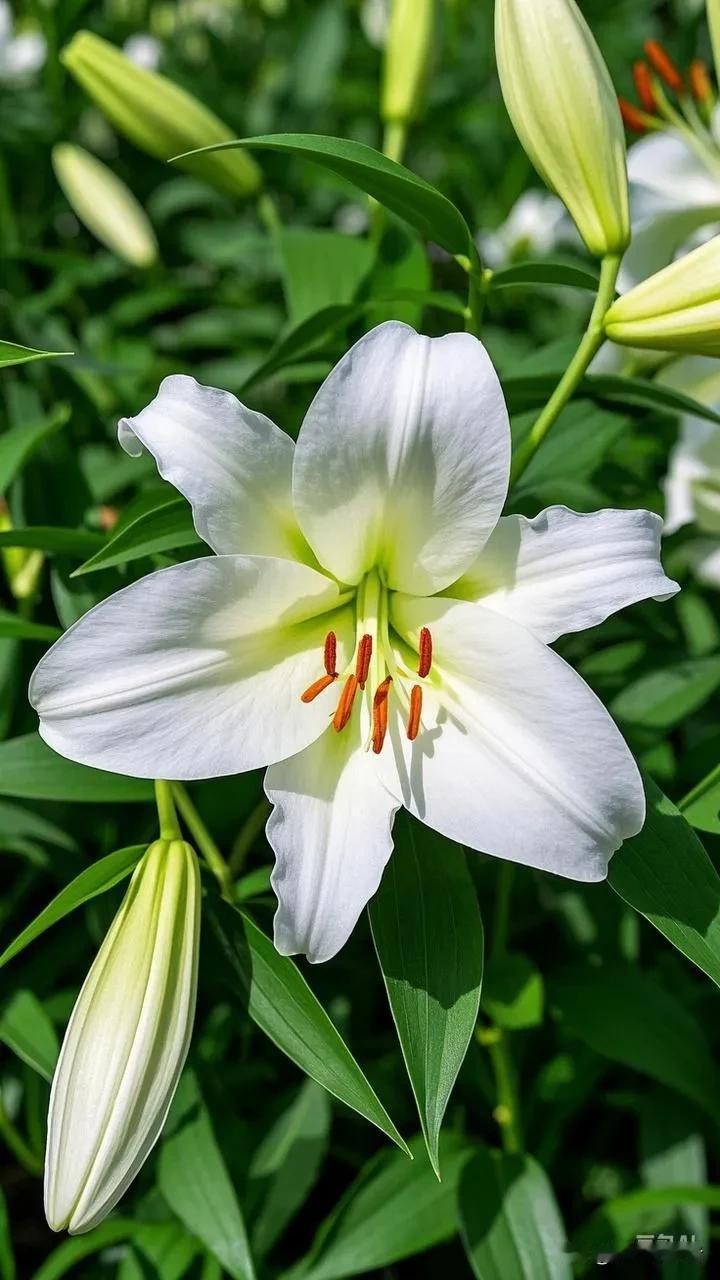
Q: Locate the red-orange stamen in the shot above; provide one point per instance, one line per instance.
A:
(362, 663)
(661, 62)
(644, 86)
(345, 705)
(425, 654)
(380, 714)
(700, 85)
(330, 655)
(413, 724)
(323, 683)
(632, 118)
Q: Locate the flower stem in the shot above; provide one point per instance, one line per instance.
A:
(394, 140)
(507, 1111)
(593, 339)
(167, 817)
(204, 841)
(247, 835)
(268, 214)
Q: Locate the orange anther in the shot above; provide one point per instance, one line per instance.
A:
(362, 663)
(632, 118)
(380, 714)
(644, 86)
(330, 655)
(345, 705)
(413, 724)
(323, 683)
(425, 655)
(700, 81)
(661, 62)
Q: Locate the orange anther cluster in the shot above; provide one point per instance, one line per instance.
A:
(317, 687)
(413, 724)
(345, 705)
(425, 653)
(330, 654)
(660, 61)
(362, 662)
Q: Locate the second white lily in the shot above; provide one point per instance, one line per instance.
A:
(370, 628)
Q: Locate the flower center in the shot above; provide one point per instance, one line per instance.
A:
(377, 668)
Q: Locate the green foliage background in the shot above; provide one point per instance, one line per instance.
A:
(611, 1032)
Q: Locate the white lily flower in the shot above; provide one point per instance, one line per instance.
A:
(370, 628)
(126, 1042)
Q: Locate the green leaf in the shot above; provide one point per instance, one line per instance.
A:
(528, 390)
(30, 770)
(73, 1251)
(394, 186)
(321, 269)
(11, 624)
(661, 699)
(672, 1153)
(167, 526)
(159, 1251)
(194, 1181)
(94, 880)
(281, 1003)
(62, 542)
(701, 806)
(286, 1164)
(621, 1013)
(616, 1224)
(665, 873)
(13, 353)
(513, 994)
(428, 935)
(556, 273)
(19, 443)
(395, 1209)
(509, 1220)
(27, 1030)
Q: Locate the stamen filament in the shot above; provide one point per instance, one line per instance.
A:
(330, 654)
(317, 687)
(425, 656)
(362, 665)
(345, 705)
(413, 724)
(380, 715)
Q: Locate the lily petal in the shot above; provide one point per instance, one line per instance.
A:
(232, 464)
(195, 671)
(565, 572)
(331, 833)
(664, 163)
(517, 757)
(402, 461)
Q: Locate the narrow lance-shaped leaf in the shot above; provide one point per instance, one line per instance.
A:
(26, 1029)
(14, 353)
(194, 1180)
(91, 882)
(665, 873)
(429, 939)
(394, 186)
(30, 770)
(166, 527)
(510, 1222)
(281, 1003)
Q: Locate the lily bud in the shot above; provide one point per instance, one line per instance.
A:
(562, 103)
(713, 19)
(678, 309)
(156, 114)
(126, 1042)
(407, 53)
(105, 205)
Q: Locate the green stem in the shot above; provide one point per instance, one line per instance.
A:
(268, 214)
(248, 834)
(507, 1111)
(395, 140)
(167, 817)
(17, 1144)
(591, 343)
(204, 841)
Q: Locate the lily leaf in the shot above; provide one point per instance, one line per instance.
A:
(509, 1220)
(394, 186)
(665, 873)
(166, 526)
(428, 935)
(701, 807)
(557, 273)
(13, 353)
(94, 880)
(30, 770)
(26, 1029)
(280, 1001)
